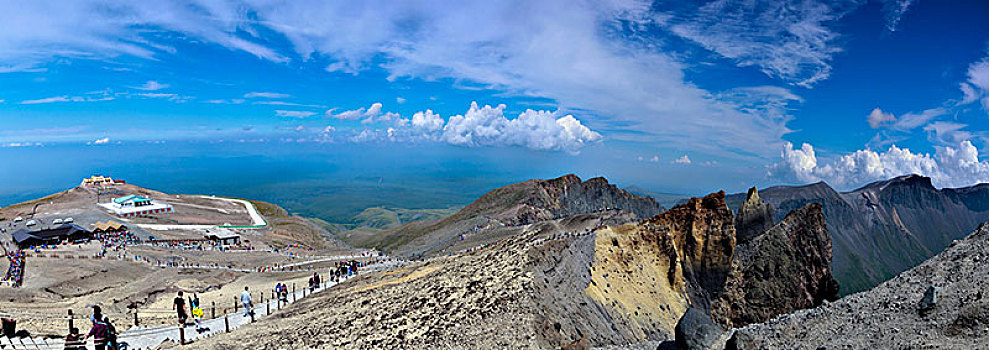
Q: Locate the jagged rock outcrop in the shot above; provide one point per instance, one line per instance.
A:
(754, 217)
(537, 200)
(785, 268)
(885, 227)
(887, 317)
(703, 237)
(514, 206)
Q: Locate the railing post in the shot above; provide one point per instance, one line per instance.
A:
(293, 292)
(226, 322)
(135, 317)
(213, 303)
(70, 320)
(181, 334)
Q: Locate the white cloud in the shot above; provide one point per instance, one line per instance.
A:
(52, 100)
(683, 160)
(68, 99)
(610, 58)
(400, 100)
(893, 10)
(654, 159)
(265, 95)
(283, 103)
(234, 101)
(540, 130)
(427, 122)
(102, 141)
(947, 133)
(949, 167)
(168, 96)
(294, 114)
(2, 100)
(152, 85)
(790, 40)
(22, 144)
(368, 115)
(878, 117)
(977, 86)
(479, 127)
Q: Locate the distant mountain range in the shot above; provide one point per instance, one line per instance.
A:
(885, 227)
(508, 208)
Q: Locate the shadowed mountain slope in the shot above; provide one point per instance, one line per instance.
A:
(885, 227)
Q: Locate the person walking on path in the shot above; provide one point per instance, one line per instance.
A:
(98, 332)
(245, 300)
(111, 334)
(179, 306)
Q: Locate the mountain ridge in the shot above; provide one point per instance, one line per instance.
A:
(884, 227)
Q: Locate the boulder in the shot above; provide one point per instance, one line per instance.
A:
(929, 301)
(696, 331)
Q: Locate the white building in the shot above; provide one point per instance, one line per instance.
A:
(133, 205)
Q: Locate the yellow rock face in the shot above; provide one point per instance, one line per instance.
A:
(644, 271)
(628, 277)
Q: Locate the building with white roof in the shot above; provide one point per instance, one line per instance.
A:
(134, 205)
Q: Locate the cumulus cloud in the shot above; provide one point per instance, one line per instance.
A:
(427, 122)
(540, 130)
(294, 114)
(265, 95)
(878, 117)
(948, 167)
(400, 100)
(653, 159)
(683, 160)
(366, 115)
(102, 141)
(478, 127)
(152, 85)
(610, 58)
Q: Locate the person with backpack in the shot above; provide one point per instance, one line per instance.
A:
(98, 332)
(111, 334)
(179, 306)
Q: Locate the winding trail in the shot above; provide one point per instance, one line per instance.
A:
(138, 338)
(257, 221)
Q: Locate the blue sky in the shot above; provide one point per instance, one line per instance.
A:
(671, 96)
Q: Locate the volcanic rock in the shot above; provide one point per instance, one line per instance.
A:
(784, 269)
(696, 331)
(754, 217)
(886, 317)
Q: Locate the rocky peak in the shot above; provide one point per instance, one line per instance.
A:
(786, 268)
(568, 195)
(754, 217)
(703, 233)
